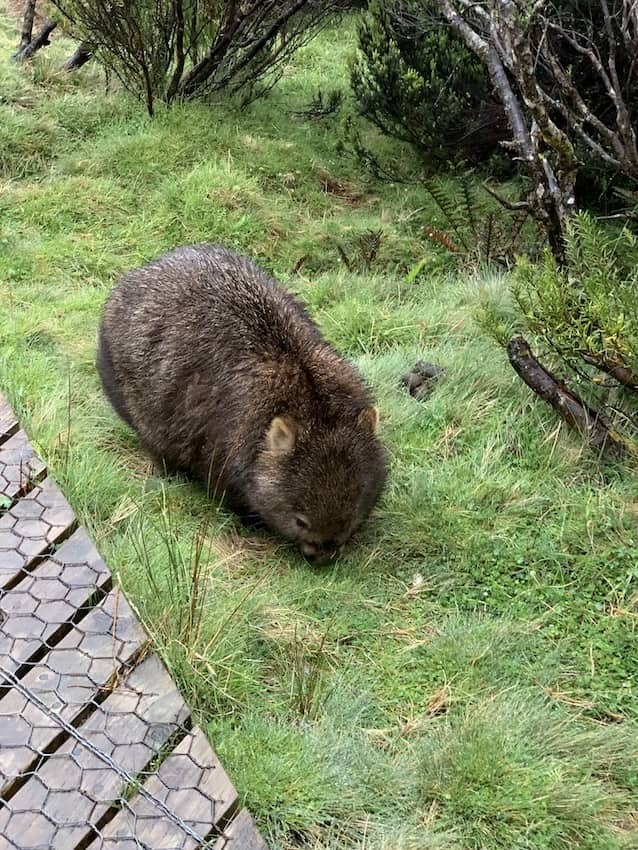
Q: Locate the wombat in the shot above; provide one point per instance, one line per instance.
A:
(224, 375)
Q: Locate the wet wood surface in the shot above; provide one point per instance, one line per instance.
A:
(97, 747)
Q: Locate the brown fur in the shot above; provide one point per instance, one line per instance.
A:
(224, 375)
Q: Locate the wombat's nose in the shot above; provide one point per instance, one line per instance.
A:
(318, 556)
(309, 550)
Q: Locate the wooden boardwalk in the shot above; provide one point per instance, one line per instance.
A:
(97, 748)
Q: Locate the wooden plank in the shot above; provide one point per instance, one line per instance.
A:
(20, 467)
(192, 783)
(37, 609)
(74, 787)
(8, 419)
(68, 681)
(30, 527)
(241, 834)
(59, 789)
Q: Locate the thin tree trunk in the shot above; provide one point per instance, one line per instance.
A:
(180, 57)
(570, 407)
(26, 33)
(505, 49)
(40, 40)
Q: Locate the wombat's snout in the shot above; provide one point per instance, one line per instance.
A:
(320, 554)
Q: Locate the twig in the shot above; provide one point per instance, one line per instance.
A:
(512, 206)
(621, 373)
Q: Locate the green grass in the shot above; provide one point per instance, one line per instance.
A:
(466, 676)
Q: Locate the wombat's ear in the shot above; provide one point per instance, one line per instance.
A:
(281, 435)
(369, 418)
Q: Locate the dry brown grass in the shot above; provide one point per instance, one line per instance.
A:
(344, 190)
(235, 551)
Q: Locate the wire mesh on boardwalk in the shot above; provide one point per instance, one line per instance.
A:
(97, 747)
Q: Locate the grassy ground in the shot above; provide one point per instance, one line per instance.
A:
(466, 677)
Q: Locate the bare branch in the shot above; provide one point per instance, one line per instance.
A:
(512, 206)
(80, 56)
(571, 408)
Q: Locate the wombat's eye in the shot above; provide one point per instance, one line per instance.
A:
(302, 523)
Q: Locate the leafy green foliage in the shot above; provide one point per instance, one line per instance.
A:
(482, 230)
(583, 316)
(425, 87)
(589, 310)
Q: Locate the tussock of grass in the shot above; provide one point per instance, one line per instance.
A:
(466, 675)
(517, 772)
(344, 796)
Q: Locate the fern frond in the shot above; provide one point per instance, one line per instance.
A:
(470, 202)
(448, 206)
(441, 238)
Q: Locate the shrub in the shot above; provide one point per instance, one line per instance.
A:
(181, 49)
(583, 316)
(422, 85)
(417, 81)
(588, 311)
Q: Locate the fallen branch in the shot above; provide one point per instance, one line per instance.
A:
(80, 56)
(41, 40)
(570, 407)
